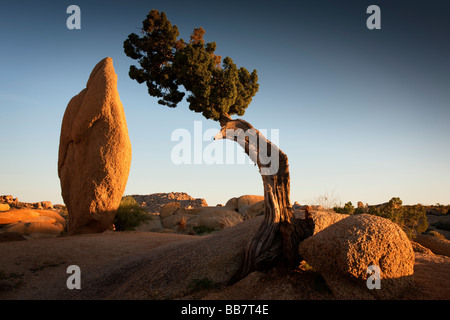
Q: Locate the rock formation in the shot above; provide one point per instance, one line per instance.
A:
(342, 252)
(154, 202)
(242, 203)
(94, 153)
(32, 223)
(437, 245)
(254, 210)
(324, 219)
(169, 209)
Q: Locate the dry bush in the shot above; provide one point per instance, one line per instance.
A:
(227, 222)
(327, 200)
(182, 223)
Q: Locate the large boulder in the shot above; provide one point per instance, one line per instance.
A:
(437, 245)
(4, 207)
(54, 215)
(232, 204)
(343, 252)
(16, 215)
(32, 223)
(247, 201)
(39, 225)
(210, 218)
(254, 210)
(213, 218)
(324, 219)
(94, 153)
(242, 203)
(169, 209)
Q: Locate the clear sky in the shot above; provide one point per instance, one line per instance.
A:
(362, 114)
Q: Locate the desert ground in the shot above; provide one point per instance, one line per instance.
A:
(160, 265)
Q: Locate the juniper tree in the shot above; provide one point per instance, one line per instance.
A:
(218, 89)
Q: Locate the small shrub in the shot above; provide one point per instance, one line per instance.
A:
(201, 229)
(227, 222)
(360, 210)
(305, 266)
(129, 215)
(412, 219)
(182, 223)
(348, 208)
(415, 219)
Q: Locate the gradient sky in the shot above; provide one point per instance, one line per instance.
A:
(362, 114)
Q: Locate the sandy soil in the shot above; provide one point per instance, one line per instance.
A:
(28, 267)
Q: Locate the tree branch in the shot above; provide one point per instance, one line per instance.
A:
(224, 119)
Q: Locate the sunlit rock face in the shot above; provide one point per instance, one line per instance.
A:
(94, 153)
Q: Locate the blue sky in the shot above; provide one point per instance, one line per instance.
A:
(362, 114)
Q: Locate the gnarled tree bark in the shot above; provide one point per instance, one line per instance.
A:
(280, 232)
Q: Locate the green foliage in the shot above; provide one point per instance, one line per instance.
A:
(347, 209)
(360, 210)
(438, 209)
(166, 63)
(392, 210)
(415, 219)
(201, 229)
(129, 215)
(412, 219)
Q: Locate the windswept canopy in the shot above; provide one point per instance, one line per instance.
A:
(215, 87)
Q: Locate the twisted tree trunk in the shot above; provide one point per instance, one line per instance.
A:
(280, 232)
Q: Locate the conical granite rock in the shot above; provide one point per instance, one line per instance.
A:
(94, 153)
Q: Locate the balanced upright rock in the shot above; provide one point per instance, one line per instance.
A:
(94, 153)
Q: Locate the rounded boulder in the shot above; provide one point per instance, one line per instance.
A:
(343, 252)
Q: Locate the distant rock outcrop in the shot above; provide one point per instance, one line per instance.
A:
(8, 201)
(153, 203)
(180, 213)
(94, 153)
(4, 207)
